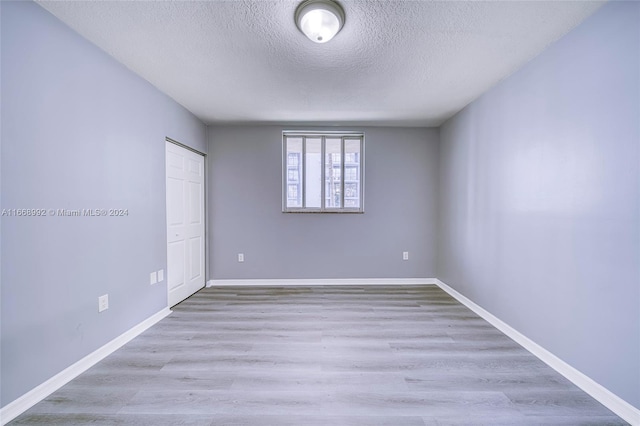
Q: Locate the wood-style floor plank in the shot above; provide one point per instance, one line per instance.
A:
(321, 355)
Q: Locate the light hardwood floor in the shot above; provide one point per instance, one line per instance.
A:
(324, 355)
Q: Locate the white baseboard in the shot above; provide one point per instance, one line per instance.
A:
(328, 281)
(607, 398)
(37, 394)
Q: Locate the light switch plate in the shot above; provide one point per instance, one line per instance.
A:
(161, 275)
(153, 277)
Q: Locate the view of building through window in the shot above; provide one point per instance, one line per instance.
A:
(315, 166)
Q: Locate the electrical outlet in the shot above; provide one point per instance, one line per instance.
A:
(161, 275)
(240, 257)
(153, 278)
(103, 303)
(405, 255)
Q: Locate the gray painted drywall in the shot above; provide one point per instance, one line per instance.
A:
(245, 207)
(78, 131)
(539, 200)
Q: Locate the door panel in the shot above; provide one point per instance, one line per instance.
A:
(175, 210)
(185, 222)
(176, 255)
(175, 161)
(195, 209)
(195, 269)
(195, 168)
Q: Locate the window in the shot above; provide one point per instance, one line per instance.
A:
(313, 169)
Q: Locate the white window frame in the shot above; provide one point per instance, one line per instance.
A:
(302, 175)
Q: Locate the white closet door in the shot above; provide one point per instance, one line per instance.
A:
(185, 222)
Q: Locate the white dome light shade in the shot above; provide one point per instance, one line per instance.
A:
(319, 25)
(319, 20)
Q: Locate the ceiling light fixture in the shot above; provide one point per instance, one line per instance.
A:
(319, 20)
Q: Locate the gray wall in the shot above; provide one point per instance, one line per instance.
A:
(539, 200)
(245, 207)
(78, 131)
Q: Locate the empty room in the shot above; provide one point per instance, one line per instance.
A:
(319, 212)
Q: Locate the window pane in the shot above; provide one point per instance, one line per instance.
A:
(333, 152)
(293, 191)
(350, 190)
(313, 185)
(294, 172)
(352, 173)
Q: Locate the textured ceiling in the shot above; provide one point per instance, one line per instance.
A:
(394, 62)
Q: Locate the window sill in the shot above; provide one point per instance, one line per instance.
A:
(336, 211)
